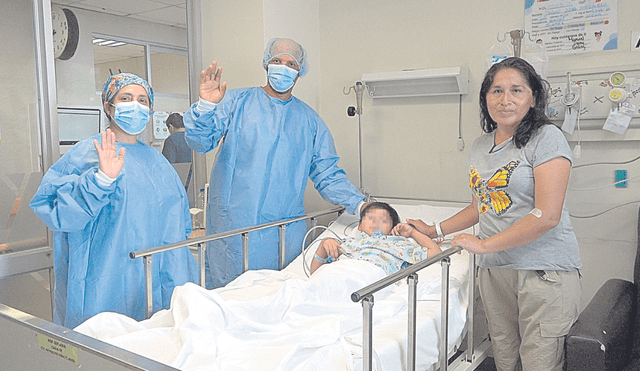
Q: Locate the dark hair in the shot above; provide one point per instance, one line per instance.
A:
(175, 120)
(535, 118)
(395, 219)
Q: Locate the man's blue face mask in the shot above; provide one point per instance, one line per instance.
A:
(131, 117)
(281, 77)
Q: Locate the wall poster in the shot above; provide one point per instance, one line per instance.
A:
(573, 26)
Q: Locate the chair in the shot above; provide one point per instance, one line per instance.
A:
(606, 336)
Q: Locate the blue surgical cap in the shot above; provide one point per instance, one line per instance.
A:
(116, 82)
(280, 46)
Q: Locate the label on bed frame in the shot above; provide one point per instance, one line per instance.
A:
(58, 348)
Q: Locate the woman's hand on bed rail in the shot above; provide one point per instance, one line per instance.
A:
(468, 242)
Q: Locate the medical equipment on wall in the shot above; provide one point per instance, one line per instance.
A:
(622, 111)
(571, 101)
(592, 96)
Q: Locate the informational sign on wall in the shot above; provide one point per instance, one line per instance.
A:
(573, 26)
(160, 130)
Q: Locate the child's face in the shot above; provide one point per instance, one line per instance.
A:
(376, 219)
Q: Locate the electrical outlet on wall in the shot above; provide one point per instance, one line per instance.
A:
(621, 177)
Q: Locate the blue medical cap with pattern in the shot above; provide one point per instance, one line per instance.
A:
(116, 82)
(279, 46)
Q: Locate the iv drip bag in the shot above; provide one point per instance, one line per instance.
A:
(536, 55)
(497, 53)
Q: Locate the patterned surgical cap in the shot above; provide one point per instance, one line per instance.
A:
(119, 81)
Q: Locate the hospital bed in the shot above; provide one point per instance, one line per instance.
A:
(218, 329)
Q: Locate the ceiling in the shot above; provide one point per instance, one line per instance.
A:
(166, 12)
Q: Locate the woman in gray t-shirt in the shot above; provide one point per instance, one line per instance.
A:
(528, 254)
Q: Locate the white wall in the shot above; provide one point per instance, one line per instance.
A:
(410, 144)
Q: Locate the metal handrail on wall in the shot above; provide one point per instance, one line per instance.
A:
(365, 295)
(200, 242)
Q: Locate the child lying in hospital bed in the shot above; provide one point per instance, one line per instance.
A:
(282, 320)
(382, 241)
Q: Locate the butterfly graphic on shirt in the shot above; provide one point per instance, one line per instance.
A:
(490, 193)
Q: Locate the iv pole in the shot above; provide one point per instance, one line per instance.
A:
(358, 88)
(516, 40)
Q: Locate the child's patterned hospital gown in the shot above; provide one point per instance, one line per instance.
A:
(390, 253)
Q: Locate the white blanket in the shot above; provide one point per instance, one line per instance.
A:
(270, 320)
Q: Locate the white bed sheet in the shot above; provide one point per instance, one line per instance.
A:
(270, 320)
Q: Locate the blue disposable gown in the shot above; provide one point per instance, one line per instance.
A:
(96, 228)
(271, 147)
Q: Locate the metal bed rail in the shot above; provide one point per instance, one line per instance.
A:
(200, 242)
(365, 295)
(31, 343)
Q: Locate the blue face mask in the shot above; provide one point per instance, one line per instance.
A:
(281, 77)
(131, 117)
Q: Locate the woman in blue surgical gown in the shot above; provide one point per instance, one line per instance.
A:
(273, 143)
(107, 196)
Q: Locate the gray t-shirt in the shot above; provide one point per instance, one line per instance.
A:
(501, 179)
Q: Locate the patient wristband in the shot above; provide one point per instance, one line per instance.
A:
(328, 259)
(439, 230)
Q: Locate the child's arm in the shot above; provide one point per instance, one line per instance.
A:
(406, 230)
(328, 246)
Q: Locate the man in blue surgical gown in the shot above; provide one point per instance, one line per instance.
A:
(273, 142)
(102, 205)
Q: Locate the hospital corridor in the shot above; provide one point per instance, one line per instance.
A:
(320, 185)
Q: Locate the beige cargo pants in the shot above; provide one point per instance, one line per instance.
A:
(529, 314)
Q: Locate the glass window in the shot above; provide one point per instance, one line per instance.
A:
(112, 55)
(20, 168)
(23, 237)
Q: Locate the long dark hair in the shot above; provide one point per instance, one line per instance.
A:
(395, 218)
(535, 118)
